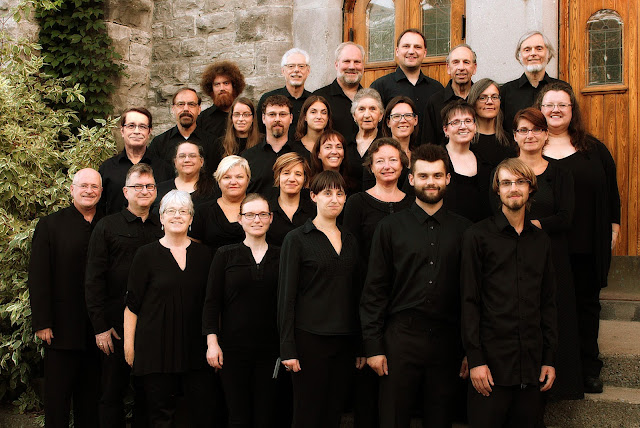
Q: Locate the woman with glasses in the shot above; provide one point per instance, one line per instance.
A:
(468, 191)
(492, 142)
(596, 224)
(242, 128)
(239, 318)
(315, 118)
(401, 123)
(163, 318)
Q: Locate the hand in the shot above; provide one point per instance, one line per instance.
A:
(361, 362)
(379, 364)
(464, 369)
(292, 365)
(549, 373)
(615, 233)
(481, 379)
(214, 355)
(536, 223)
(46, 334)
(129, 353)
(104, 342)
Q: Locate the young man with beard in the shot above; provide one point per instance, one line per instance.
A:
(410, 306)
(508, 307)
(223, 82)
(185, 107)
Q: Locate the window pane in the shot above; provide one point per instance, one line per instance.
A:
(605, 47)
(381, 25)
(436, 20)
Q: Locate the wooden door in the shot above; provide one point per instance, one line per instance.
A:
(605, 80)
(442, 22)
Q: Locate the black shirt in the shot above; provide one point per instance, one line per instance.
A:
(396, 83)
(508, 300)
(340, 105)
(319, 289)
(113, 244)
(414, 265)
(56, 278)
(114, 173)
(297, 107)
(211, 226)
(518, 94)
(169, 185)
(281, 224)
(261, 159)
(164, 146)
(432, 125)
(242, 297)
(213, 120)
(489, 149)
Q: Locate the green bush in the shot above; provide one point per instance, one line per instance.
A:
(39, 150)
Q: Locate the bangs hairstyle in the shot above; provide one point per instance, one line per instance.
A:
(229, 162)
(379, 143)
(179, 198)
(222, 68)
(457, 106)
(316, 163)
(366, 93)
(204, 185)
(472, 99)
(253, 197)
(531, 114)
(301, 126)
(518, 168)
(276, 100)
(141, 110)
(400, 99)
(287, 161)
(327, 180)
(431, 153)
(140, 168)
(230, 144)
(181, 90)
(550, 49)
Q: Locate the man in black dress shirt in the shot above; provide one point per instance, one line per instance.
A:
(508, 307)
(276, 115)
(185, 107)
(223, 82)
(410, 307)
(339, 94)
(135, 126)
(408, 79)
(534, 52)
(58, 312)
(461, 66)
(111, 249)
(295, 69)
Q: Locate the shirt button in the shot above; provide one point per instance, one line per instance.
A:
(432, 244)
(431, 262)
(430, 282)
(431, 227)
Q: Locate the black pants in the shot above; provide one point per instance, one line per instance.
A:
(365, 403)
(588, 311)
(162, 389)
(505, 407)
(419, 356)
(320, 387)
(71, 375)
(249, 389)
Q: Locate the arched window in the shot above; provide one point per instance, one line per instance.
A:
(436, 26)
(605, 48)
(381, 24)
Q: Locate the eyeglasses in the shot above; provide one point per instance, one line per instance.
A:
(173, 211)
(183, 156)
(132, 126)
(281, 115)
(244, 115)
(139, 187)
(397, 117)
(561, 106)
(486, 98)
(251, 216)
(190, 104)
(85, 186)
(291, 67)
(525, 131)
(457, 123)
(520, 182)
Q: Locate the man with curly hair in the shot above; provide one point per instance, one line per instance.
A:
(223, 82)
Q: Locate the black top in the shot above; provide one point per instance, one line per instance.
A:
(168, 302)
(214, 121)
(261, 159)
(282, 225)
(598, 203)
(56, 278)
(164, 146)
(211, 226)
(414, 265)
(553, 203)
(113, 244)
(469, 196)
(432, 125)
(302, 151)
(242, 297)
(114, 173)
(518, 94)
(319, 290)
(169, 185)
(340, 105)
(362, 214)
(354, 169)
(242, 146)
(297, 107)
(491, 151)
(396, 83)
(508, 300)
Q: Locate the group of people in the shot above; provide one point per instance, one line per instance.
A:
(404, 249)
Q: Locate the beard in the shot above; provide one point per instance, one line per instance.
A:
(186, 120)
(223, 100)
(349, 79)
(534, 68)
(428, 199)
(277, 130)
(514, 205)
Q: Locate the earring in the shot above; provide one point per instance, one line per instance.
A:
(189, 228)
(162, 227)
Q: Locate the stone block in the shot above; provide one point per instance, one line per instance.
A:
(183, 26)
(165, 51)
(132, 13)
(268, 56)
(218, 43)
(162, 11)
(121, 38)
(264, 23)
(192, 47)
(142, 37)
(185, 5)
(214, 22)
(140, 54)
(158, 32)
(275, 3)
(213, 5)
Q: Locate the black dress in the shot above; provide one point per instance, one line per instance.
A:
(469, 196)
(211, 226)
(281, 224)
(489, 149)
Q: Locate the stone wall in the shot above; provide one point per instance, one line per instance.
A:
(24, 28)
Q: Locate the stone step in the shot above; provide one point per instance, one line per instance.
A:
(616, 407)
(622, 310)
(620, 352)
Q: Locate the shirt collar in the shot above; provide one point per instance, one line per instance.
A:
(123, 156)
(422, 215)
(523, 80)
(503, 224)
(398, 75)
(335, 88)
(131, 217)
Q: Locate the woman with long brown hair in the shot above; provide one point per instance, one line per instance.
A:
(242, 128)
(315, 118)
